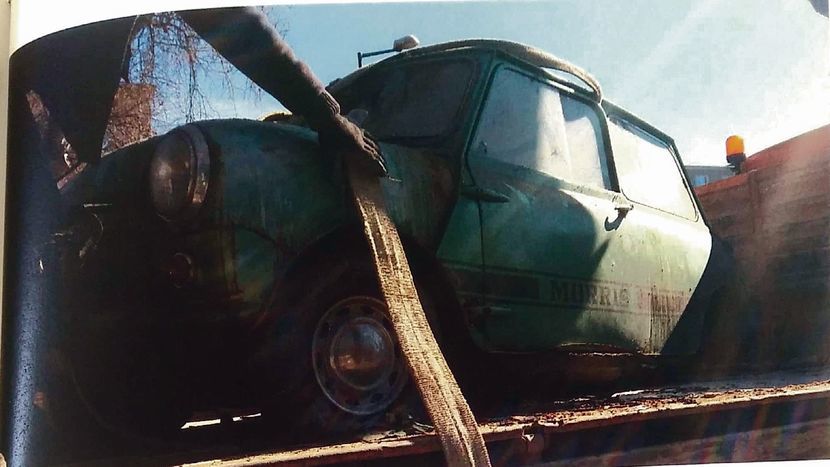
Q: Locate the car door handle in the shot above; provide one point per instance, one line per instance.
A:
(483, 194)
(623, 206)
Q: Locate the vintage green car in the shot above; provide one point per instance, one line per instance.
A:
(223, 264)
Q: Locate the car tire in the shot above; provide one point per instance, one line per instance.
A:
(310, 392)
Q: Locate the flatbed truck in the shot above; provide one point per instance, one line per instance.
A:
(774, 416)
(771, 213)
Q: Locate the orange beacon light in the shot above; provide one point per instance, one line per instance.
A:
(735, 155)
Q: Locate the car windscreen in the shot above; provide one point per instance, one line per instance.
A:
(415, 101)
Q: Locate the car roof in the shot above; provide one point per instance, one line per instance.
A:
(523, 52)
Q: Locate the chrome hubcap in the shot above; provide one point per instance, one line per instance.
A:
(355, 357)
(362, 353)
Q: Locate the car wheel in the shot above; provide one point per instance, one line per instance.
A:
(357, 363)
(335, 364)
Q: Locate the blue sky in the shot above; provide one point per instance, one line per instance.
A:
(698, 70)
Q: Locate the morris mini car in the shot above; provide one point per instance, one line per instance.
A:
(223, 264)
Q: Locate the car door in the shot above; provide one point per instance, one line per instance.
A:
(550, 222)
(665, 239)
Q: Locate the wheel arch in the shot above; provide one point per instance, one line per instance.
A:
(347, 244)
(346, 247)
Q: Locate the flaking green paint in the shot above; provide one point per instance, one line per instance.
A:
(552, 267)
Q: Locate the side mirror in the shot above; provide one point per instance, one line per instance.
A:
(405, 43)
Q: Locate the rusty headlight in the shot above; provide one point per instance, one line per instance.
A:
(179, 173)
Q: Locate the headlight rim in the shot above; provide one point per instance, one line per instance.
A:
(198, 184)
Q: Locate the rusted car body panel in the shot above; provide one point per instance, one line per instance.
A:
(537, 262)
(555, 266)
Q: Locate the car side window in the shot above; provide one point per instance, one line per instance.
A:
(588, 160)
(529, 123)
(647, 170)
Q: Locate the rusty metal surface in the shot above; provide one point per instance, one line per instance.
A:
(776, 217)
(798, 441)
(569, 416)
(274, 193)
